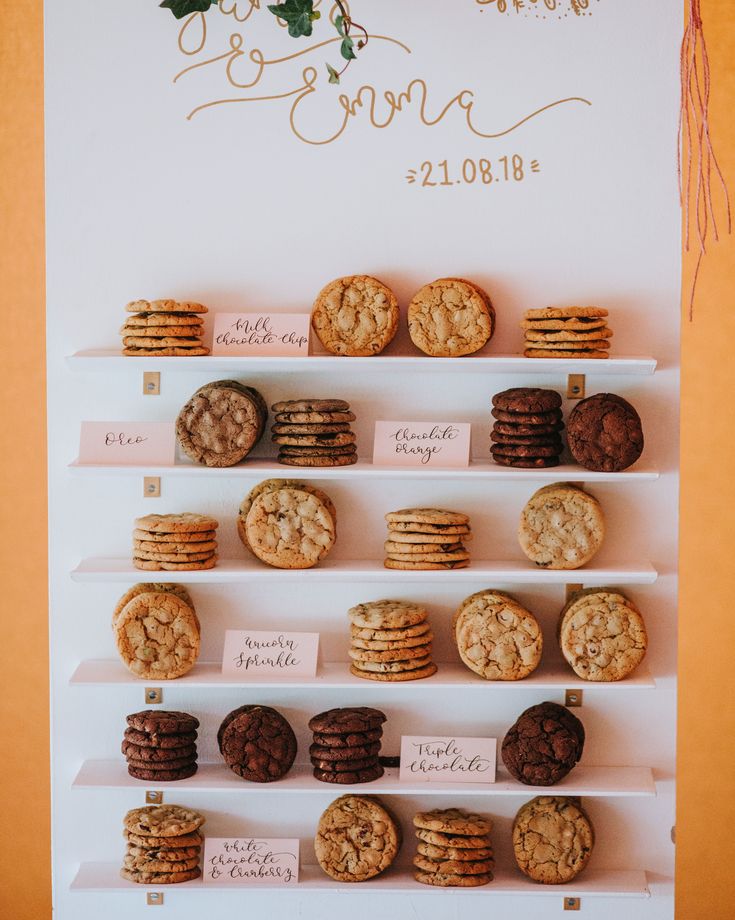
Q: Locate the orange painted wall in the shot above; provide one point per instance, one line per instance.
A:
(705, 852)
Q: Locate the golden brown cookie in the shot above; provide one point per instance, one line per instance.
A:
(552, 839)
(289, 528)
(453, 821)
(150, 565)
(427, 566)
(565, 313)
(450, 317)
(162, 821)
(187, 522)
(387, 614)
(539, 353)
(425, 670)
(159, 878)
(357, 838)
(561, 527)
(157, 636)
(169, 351)
(165, 306)
(145, 320)
(426, 516)
(356, 315)
(443, 880)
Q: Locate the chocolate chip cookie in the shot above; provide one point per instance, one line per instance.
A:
(561, 527)
(357, 838)
(355, 315)
(552, 839)
(450, 317)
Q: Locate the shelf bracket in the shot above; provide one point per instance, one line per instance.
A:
(151, 383)
(575, 386)
(154, 898)
(153, 797)
(573, 698)
(153, 695)
(151, 487)
(572, 904)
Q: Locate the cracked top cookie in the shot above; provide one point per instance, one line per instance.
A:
(157, 636)
(356, 839)
(552, 839)
(561, 527)
(604, 433)
(257, 743)
(450, 317)
(356, 315)
(543, 745)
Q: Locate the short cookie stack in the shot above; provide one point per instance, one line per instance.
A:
(157, 631)
(175, 542)
(257, 743)
(543, 745)
(390, 641)
(164, 845)
(163, 328)
(346, 745)
(161, 746)
(527, 428)
(427, 538)
(314, 432)
(357, 838)
(566, 332)
(454, 849)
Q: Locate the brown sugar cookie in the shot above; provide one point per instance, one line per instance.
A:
(576, 355)
(426, 516)
(552, 839)
(427, 566)
(447, 852)
(157, 636)
(168, 351)
(470, 842)
(454, 866)
(162, 821)
(188, 522)
(387, 614)
(220, 424)
(146, 320)
(356, 315)
(174, 842)
(313, 418)
(444, 880)
(561, 527)
(565, 313)
(289, 528)
(450, 317)
(159, 878)
(356, 839)
(426, 670)
(165, 306)
(453, 821)
(395, 666)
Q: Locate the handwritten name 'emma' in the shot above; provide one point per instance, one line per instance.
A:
(423, 444)
(259, 332)
(446, 756)
(251, 859)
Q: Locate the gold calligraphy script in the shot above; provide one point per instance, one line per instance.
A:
(540, 9)
(245, 69)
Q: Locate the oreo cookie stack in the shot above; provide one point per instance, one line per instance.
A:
(314, 432)
(160, 746)
(527, 429)
(346, 745)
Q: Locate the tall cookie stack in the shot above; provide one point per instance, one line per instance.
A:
(566, 332)
(346, 746)
(314, 432)
(175, 542)
(527, 428)
(427, 538)
(454, 849)
(160, 746)
(164, 845)
(163, 328)
(390, 641)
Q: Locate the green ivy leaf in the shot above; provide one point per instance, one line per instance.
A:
(346, 49)
(339, 24)
(333, 75)
(297, 14)
(181, 8)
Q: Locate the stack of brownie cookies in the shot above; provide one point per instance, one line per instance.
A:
(160, 746)
(175, 542)
(566, 332)
(257, 743)
(527, 429)
(314, 432)
(163, 328)
(454, 849)
(163, 845)
(543, 745)
(346, 745)
(390, 641)
(427, 538)
(221, 423)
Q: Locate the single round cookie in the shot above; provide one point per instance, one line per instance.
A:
(393, 667)
(543, 745)
(434, 540)
(344, 766)
(602, 635)
(257, 743)
(154, 741)
(169, 351)
(150, 754)
(356, 315)
(426, 566)
(526, 462)
(496, 637)
(454, 866)
(356, 839)
(145, 320)
(172, 842)
(313, 417)
(450, 317)
(220, 424)
(144, 864)
(561, 527)
(178, 854)
(453, 821)
(344, 754)
(162, 722)
(156, 587)
(310, 405)
(449, 531)
(157, 565)
(151, 775)
(385, 645)
(162, 821)
(187, 522)
(567, 335)
(289, 528)
(387, 614)
(566, 353)
(159, 878)
(176, 763)
(552, 839)
(349, 719)
(527, 400)
(523, 452)
(157, 636)
(445, 880)
(349, 777)
(347, 739)
(310, 428)
(432, 851)
(426, 516)
(417, 673)
(552, 417)
(604, 433)
(165, 306)
(566, 313)
(467, 842)
(515, 430)
(389, 635)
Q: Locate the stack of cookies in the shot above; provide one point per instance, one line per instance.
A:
(427, 538)
(161, 746)
(164, 845)
(314, 432)
(357, 838)
(454, 849)
(450, 317)
(175, 542)
(543, 745)
(163, 328)
(346, 745)
(561, 527)
(390, 641)
(287, 523)
(257, 743)
(157, 631)
(527, 428)
(566, 332)
(221, 423)
(560, 851)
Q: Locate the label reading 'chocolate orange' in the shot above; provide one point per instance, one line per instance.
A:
(422, 444)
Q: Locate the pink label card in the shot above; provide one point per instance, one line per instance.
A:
(447, 760)
(428, 444)
(251, 334)
(251, 861)
(127, 443)
(250, 655)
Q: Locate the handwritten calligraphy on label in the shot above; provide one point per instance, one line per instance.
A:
(251, 861)
(127, 443)
(252, 655)
(261, 334)
(447, 760)
(429, 444)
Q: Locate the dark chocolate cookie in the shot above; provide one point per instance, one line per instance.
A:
(354, 776)
(164, 742)
(162, 776)
(519, 450)
(554, 417)
(527, 400)
(343, 766)
(317, 752)
(351, 739)
(161, 722)
(543, 745)
(155, 766)
(157, 755)
(257, 743)
(510, 428)
(526, 462)
(528, 440)
(352, 719)
(605, 433)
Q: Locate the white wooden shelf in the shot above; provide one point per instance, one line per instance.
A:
(592, 883)
(211, 777)
(232, 571)
(335, 675)
(110, 360)
(480, 470)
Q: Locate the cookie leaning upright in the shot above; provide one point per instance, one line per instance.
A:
(357, 838)
(163, 845)
(427, 538)
(566, 332)
(561, 527)
(175, 542)
(356, 315)
(543, 745)
(605, 433)
(398, 628)
(527, 428)
(163, 328)
(454, 849)
(314, 432)
(257, 743)
(552, 839)
(450, 317)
